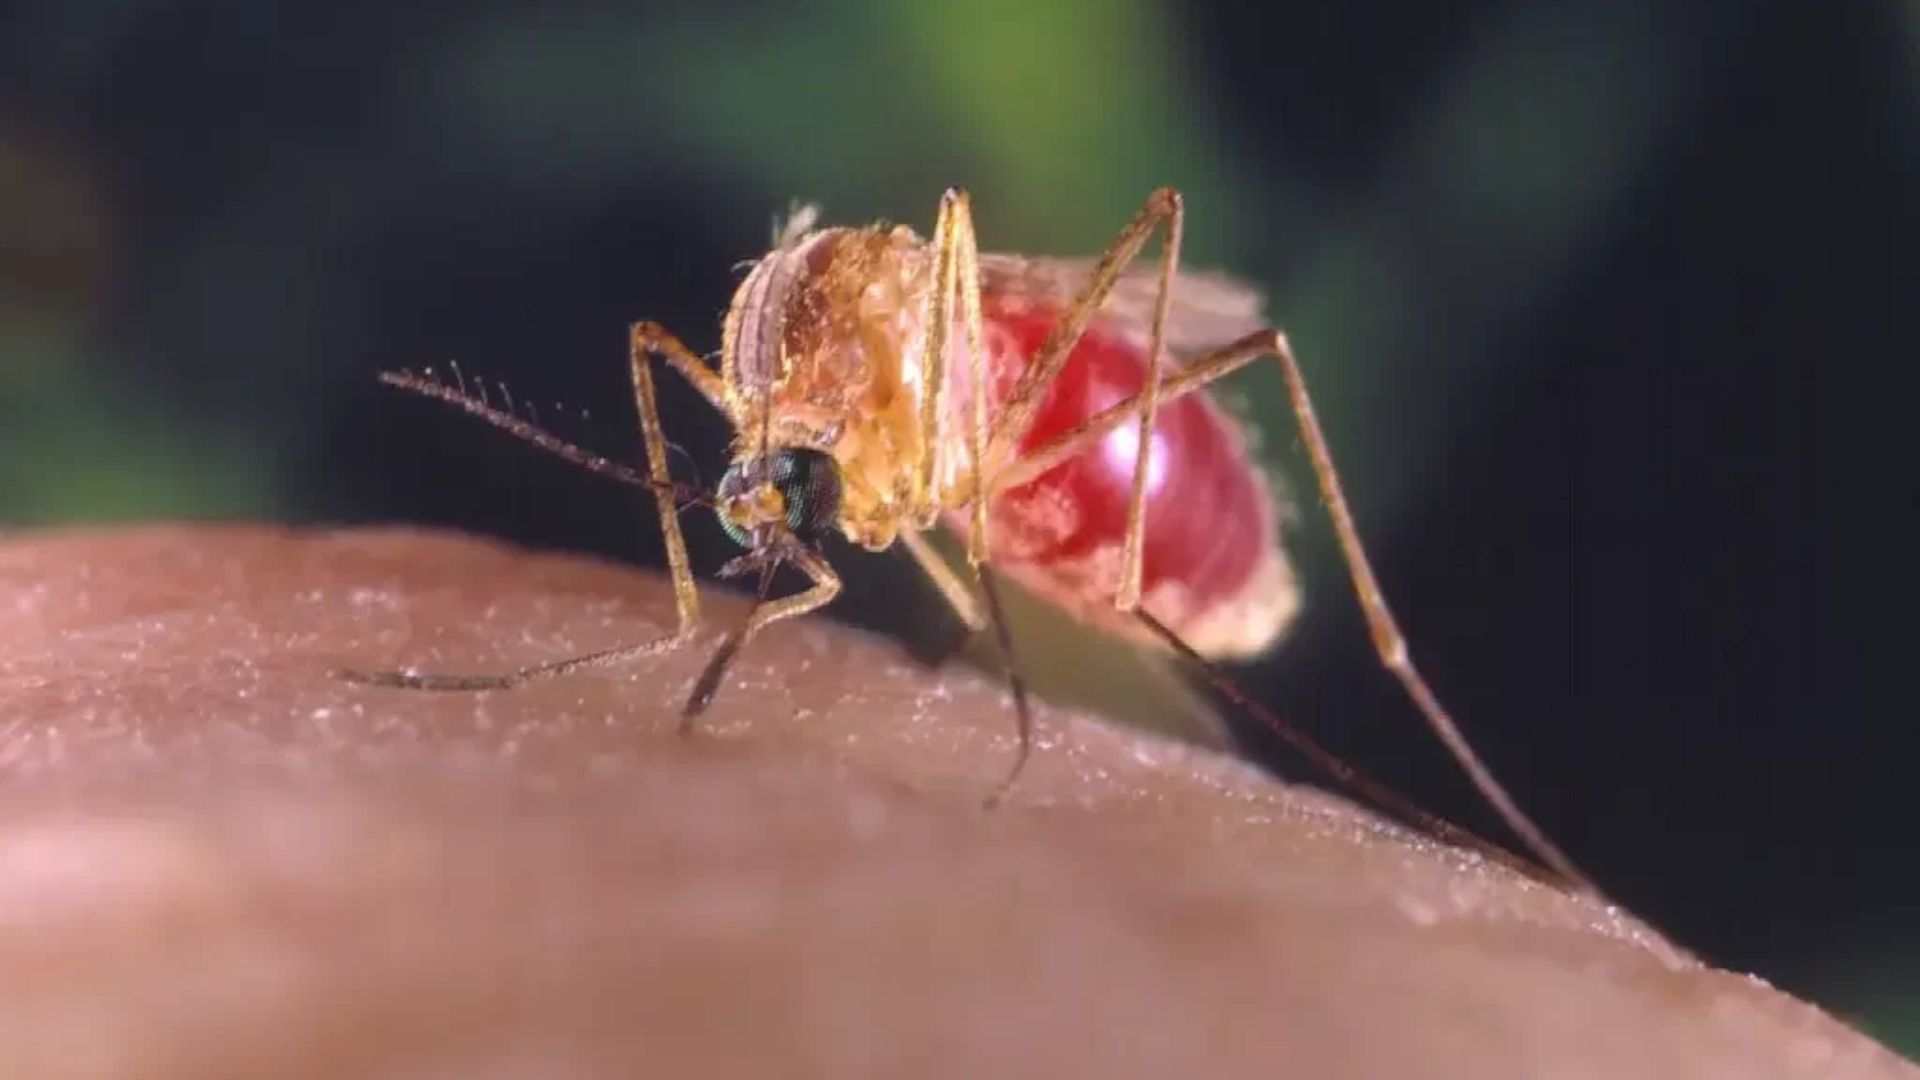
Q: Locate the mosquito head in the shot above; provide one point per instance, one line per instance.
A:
(791, 489)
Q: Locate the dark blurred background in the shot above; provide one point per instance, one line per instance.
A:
(1607, 305)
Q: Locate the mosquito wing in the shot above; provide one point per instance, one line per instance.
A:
(1208, 310)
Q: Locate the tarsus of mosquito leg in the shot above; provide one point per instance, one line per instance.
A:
(1325, 760)
(1392, 645)
(1022, 709)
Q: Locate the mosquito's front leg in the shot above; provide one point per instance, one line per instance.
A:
(651, 339)
(645, 340)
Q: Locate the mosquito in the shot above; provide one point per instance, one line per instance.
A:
(1051, 412)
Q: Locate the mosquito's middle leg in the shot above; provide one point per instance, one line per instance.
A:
(957, 253)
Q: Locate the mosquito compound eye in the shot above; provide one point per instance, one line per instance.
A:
(732, 503)
(798, 489)
(809, 481)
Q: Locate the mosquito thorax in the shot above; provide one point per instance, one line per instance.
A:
(793, 489)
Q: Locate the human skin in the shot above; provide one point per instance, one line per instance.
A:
(217, 860)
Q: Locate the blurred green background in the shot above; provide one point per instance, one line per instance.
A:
(1605, 304)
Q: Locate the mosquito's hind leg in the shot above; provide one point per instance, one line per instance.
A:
(644, 341)
(1388, 641)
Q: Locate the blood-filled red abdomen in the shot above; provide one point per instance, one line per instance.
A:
(1213, 569)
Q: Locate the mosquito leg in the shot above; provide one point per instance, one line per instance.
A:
(933, 365)
(964, 605)
(959, 597)
(967, 255)
(1355, 780)
(1127, 596)
(646, 339)
(1387, 638)
(1017, 412)
(826, 586)
(1197, 373)
(959, 259)
(1022, 710)
(1388, 641)
(651, 337)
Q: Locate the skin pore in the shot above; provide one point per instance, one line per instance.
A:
(217, 860)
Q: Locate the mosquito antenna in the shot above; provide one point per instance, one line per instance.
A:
(692, 465)
(1355, 780)
(708, 684)
(429, 386)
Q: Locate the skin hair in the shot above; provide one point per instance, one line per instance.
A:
(216, 860)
